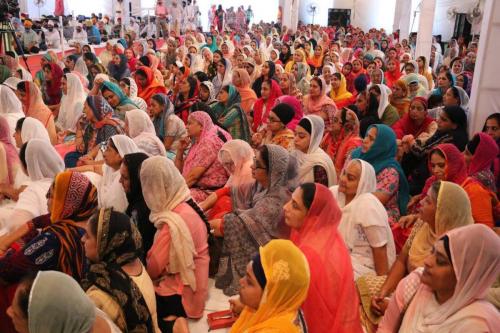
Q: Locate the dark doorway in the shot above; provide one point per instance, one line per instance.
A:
(339, 17)
(462, 27)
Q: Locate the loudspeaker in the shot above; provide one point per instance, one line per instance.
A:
(339, 17)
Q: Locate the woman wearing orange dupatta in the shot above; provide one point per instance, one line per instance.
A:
(147, 85)
(332, 301)
(316, 61)
(342, 137)
(393, 73)
(241, 80)
(33, 106)
(400, 97)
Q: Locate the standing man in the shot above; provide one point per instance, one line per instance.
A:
(161, 19)
(176, 17)
(249, 13)
(52, 37)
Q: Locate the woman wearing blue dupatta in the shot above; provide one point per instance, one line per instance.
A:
(120, 102)
(230, 114)
(379, 149)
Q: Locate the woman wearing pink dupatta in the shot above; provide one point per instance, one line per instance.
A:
(332, 301)
(297, 108)
(317, 99)
(459, 262)
(201, 168)
(9, 160)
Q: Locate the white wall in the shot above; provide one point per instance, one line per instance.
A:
(443, 26)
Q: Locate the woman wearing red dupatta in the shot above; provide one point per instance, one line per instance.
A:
(416, 122)
(263, 105)
(147, 86)
(393, 74)
(332, 300)
(53, 85)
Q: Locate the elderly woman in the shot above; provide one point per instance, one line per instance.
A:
(230, 115)
(117, 282)
(332, 302)
(302, 79)
(245, 230)
(317, 99)
(201, 169)
(379, 149)
(288, 85)
(448, 295)
(364, 226)
(178, 260)
(416, 124)
(276, 131)
(341, 137)
(283, 297)
(313, 163)
(96, 126)
(399, 97)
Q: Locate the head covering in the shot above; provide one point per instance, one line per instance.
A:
(456, 171)
(53, 87)
(134, 162)
(142, 131)
(11, 158)
(11, 82)
(247, 94)
(341, 93)
(160, 121)
(384, 101)
(476, 265)
(5, 73)
(315, 156)
(58, 304)
(260, 115)
(326, 306)
(11, 109)
(284, 112)
(119, 243)
(124, 145)
(240, 154)
(101, 109)
(118, 71)
(382, 155)
(463, 96)
(72, 103)
(81, 67)
(164, 189)
(115, 89)
(316, 105)
(287, 275)
(34, 105)
(482, 159)
(42, 160)
(33, 129)
(453, 210)
(152, 85)
(296, 106)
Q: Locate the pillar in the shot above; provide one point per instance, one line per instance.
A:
(485, 95)
(405, 17)
(290, 13)
(424, 35)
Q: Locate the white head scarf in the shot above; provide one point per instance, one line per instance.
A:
(42, 160)
(33, 129)
(142, 131)
(315, 155)
(12, 82)
(81, 67)
(464, 98)
(133, 95)
(384, 101)
(57, 303)
(124, 145)
(11, 109)
(72, 103)
(164, 188)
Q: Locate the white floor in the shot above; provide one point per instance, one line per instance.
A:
(217, 301)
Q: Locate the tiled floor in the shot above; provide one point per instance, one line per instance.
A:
(217, 301)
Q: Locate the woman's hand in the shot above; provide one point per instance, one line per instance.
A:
(236, 306)
(257, 139)
(215, 226)
(408, 220)
(379, 304)
(184, 143)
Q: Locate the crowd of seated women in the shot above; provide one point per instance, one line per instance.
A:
(327, 177)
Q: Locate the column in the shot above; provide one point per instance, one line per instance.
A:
(290, 13)
(485, 95)
(404, 19)
(397, 16)
(424, 35)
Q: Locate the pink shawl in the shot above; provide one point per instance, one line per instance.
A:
(297, 108)
(315, 105)
(332, 301)
(485, 154)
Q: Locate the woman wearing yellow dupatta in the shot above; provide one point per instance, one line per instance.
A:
(339, 92)
(298, 57)
(274, 288)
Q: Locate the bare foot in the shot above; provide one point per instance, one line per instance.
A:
(181, 325)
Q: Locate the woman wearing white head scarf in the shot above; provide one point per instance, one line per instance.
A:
(130, 89)
(31, 129)
(42, 163)
(11, 108)
(178, 259)
(140, 128)
(55, 302)
(81, 67)
(224, 75)
(315, 166)
(387, 113)
(364, 225)
(72, 102)
(110, 192)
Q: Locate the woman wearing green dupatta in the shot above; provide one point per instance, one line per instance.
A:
(230, 114)
(117, 99)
